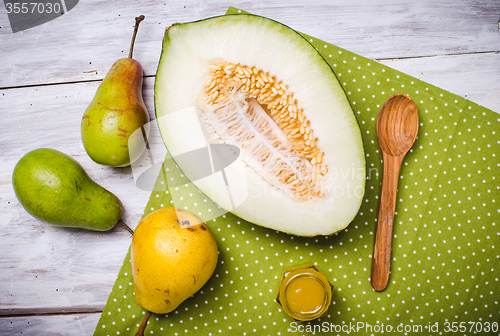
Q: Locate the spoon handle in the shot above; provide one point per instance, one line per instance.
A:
(381, 261)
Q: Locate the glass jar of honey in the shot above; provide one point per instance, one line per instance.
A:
(304, 293)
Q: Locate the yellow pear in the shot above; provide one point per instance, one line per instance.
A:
(173, 255)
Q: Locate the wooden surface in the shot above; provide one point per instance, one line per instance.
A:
(56, 281)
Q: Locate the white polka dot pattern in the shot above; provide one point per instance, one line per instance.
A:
(446, 234)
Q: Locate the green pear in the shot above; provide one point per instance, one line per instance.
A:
(115, 113)
(55, 189)
(173, 254)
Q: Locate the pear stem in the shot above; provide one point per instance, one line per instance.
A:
(126, 227)
(137, 21)
(140, 332)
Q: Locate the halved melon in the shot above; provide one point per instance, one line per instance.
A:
(253, 83)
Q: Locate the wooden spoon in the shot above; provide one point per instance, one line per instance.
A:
(397, 128)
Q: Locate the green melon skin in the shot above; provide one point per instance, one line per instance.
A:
(189, 49)
(55, 189)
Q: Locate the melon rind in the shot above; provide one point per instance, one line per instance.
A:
(189, 49)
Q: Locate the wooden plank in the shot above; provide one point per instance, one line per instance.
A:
(393, 28)
(46, 266)
(82, 44)
(4, 313)
(50, 325)
(50, 269)
(472, 76)
(4, 21)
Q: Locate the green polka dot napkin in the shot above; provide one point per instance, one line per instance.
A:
(446, 259)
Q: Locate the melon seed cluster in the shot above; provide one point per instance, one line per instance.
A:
(302, 176)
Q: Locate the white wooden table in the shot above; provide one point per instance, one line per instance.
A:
(56, 281)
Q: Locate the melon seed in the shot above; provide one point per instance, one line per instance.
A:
(250, 98)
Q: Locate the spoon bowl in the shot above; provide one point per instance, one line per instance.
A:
(397, 128)
(397, 125)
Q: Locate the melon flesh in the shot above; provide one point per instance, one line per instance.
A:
(256, 84)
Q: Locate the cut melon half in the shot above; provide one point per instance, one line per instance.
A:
(253, 83)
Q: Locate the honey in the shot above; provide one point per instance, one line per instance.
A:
(305, 293)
